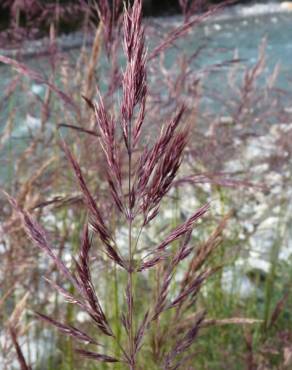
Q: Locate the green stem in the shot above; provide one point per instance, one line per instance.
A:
(131, 333)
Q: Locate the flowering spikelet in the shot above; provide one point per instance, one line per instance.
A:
(68, 329)
(134, 78)
(106, 127)
(39, 236)
(85, 281)
(182, 252)
(183, 344)
(83, 285)
(158, 167)
(177, 233)
(96, 219)
(96, 356)
(109, 16)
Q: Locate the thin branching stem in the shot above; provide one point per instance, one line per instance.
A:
(130, 221)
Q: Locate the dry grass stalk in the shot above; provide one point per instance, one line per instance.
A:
(89, 83)
(26, 71)
(13, 328)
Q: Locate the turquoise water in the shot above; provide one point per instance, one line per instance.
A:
(241, 37)
(245, 36)
(237, 32)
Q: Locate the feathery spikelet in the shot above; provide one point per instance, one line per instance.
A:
(134, 78)
(96, 219)
(183, 344)
(96, 356)
(68, 329)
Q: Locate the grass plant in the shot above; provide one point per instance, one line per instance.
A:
(143, 289)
